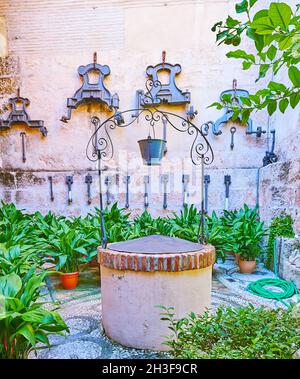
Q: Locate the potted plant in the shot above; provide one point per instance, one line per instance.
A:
(67, 248)
(247, 232)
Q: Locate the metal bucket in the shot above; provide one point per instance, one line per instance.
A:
(152, 150)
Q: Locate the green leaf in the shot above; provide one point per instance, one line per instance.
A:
(294, 75)
(27, 332)
(10, 284)
(252, 2)
(285, 43)
(263, 69)
(221, 35)
(231, 22)
(271, 53)
(39, 315)
(272, 105)
(246, 101)
(294, 99)
(241, 54)
(241, 7)
(263, 25)
(260, 14)
(280, 14)
(246, 65)
(283, 104)
(277, 87)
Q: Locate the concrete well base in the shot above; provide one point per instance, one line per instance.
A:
(129, 300)
(138, 276)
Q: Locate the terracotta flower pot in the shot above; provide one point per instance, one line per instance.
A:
(69, 280)
(246, 267)
(237, 258)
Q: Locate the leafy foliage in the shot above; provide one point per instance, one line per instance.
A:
(281, 226)
(234, 333)
(275, 34)
(24, 322)
(247, 233)
(70, 242)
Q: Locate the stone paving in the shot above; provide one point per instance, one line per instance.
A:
(81, 309)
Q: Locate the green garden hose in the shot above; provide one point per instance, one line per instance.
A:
(288, 289)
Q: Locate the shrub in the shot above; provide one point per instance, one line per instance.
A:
(281, 226)
(234, 333)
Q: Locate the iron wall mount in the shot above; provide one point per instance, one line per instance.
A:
(236, 95)
(19, 115)
(158, 93)
(89, 92)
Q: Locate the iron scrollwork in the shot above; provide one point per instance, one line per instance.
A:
(100, 146)
(103, 145)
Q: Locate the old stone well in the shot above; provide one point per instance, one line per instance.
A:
(139, 275)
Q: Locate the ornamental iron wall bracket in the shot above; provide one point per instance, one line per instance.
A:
(163, 93)
(19, 115)
(89, 92)
(236, 95)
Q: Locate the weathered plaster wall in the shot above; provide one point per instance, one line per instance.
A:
(45, 42)
(280, 182)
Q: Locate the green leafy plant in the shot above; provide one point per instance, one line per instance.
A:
(281, 226)
(275, 36)
(25, 324)
(15, 226)
(234, 333)
(219, 236)
(186, 224)
(18, 259)
(247, 233)
(67, 248)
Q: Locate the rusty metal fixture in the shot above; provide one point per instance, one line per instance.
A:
(51, 188)
(69, 182)
(89, 92)
(165, 179)
(88, 181)
(270, 156)
(127, 181)
(157, 92)
(206, 183)
(23, 136)
(108, 181)
(19, 115)
(227, 182)
(185, 180)
(232, 132)
(236, 95)
(146, 192)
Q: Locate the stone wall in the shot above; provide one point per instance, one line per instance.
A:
(42, 45)
(280, 190)
(288, 259)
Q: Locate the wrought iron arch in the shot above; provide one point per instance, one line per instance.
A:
(101, 149)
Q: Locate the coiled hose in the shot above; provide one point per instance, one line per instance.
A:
(287, 289)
